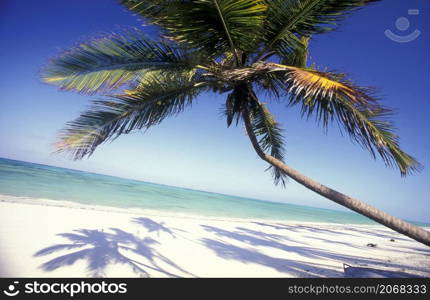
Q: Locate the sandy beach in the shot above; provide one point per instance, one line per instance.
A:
(56, 239)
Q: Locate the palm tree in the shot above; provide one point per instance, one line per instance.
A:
(235, 47)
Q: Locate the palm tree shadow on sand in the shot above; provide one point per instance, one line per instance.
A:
(224, 248)
(102, 249)
(156, 227)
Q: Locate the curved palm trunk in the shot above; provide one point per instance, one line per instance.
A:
(412, 231)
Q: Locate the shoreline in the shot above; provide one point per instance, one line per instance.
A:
(45, 240)
(153, 212)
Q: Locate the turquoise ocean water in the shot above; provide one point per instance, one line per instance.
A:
(24, 179)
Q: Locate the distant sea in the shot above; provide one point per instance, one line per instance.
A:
(36, 181)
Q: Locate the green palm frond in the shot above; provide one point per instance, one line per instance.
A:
(106, 63)
(154, 100)
(153, 11)
(270, 139)
(374, 130)
(292, 19)
(331, 97)
(298, 57)
(213, 25)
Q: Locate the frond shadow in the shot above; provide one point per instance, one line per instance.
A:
(225, 249)
(245, 255)
(101, 249)
(156, 227)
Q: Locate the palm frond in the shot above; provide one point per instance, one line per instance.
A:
(231, 109)
(326, 85)
(331, 97)
(292, 19)
(274, 85)
(297, 57)
(234, 105)
(106, 63)
(212, 25)
(150, 103)
(374, 130)
(153, 11)
(270, 139)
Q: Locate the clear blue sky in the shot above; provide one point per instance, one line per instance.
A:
(195, 149)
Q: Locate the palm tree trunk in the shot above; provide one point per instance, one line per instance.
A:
(412, 231)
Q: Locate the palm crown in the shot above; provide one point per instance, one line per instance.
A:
(234, 47)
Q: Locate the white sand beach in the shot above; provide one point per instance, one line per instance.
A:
(56, 239)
